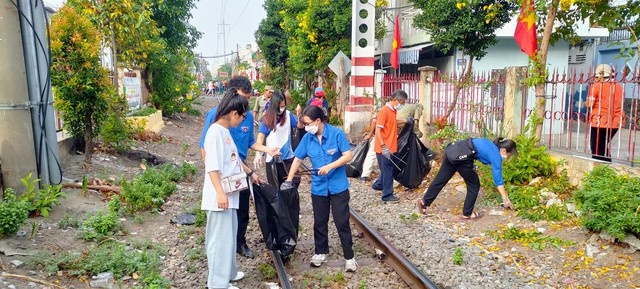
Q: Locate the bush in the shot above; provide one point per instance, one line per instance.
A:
(610, 202)
(13, 213)
(150, 189)
(40, 201)
(446, 135)
(100, 226)
(532, 161)
(116, 130)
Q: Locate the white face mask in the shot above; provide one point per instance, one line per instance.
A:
(282, 109)
(504, 157)
(399, 106)
(312, 129)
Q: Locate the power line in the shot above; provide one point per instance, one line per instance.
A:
(240, 17)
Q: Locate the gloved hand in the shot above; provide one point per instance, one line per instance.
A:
(287, 185)
(386, 152)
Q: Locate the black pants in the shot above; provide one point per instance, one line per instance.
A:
(339, 204)
(467, 172)
(243, 216)
(600, 141)
(385, 180)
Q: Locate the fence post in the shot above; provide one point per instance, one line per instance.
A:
(427, 73)
(513, 100)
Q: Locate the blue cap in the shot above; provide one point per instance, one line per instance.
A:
(319, 91)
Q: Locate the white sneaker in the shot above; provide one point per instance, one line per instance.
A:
(232, 287)
(351, 265)
(318, 259)
(238, 277)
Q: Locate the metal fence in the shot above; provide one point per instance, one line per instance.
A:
(568, 124)
(409, 82)
(480, 105)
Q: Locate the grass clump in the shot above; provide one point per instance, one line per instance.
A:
(13, 213)
(610, 202)
(267, 271)
(143, 258)
(100, 226)
(457, 256)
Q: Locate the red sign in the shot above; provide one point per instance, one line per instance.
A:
(223, 74)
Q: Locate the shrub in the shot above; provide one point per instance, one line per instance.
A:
(150, 189)
(40, 201)
(13, 213)
(100, 226)
(116, 130)
(532, 161)
(446, 135)
(610, 202)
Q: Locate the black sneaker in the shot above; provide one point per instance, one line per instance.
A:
(392, 199)
(244, 250)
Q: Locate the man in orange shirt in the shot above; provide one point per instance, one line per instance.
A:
(386, 144)
(605, 100)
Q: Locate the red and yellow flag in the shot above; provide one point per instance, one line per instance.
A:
(397, 44)
(525, 33)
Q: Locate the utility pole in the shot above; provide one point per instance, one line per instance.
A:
(237, 59)
(224, 37)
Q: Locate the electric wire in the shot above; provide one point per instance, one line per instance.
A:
(240, 17)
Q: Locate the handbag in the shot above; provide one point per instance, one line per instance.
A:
(460, 152)
(235, 183)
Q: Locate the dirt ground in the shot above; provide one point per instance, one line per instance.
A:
(181, 136)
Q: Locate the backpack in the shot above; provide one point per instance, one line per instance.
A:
(316, 101)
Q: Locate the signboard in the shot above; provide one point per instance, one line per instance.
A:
(132, 90)
(334, 65)
(223, 74)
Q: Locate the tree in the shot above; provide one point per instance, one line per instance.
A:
(126, 26)
(469, 28)
(271, 38)
(81, 84)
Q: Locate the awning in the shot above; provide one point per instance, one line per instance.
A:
(410, 55)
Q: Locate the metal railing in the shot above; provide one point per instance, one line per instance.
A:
(409, 82)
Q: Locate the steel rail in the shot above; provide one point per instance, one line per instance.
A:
(282, 273)
(405, 269)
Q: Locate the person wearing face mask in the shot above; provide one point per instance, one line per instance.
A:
(386, 145)
(275, 128)
(328, 149)
(412, 111)
(487, 152)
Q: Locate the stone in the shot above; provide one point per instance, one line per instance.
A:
(553, 201)
(571, 208)
(16, 263)
(541, 230)
(496, 213)
(32, 273)
(461, 188)
(11, 286)
(606, 237)
(591, 250)
(632, 241)
(21, 233)
(44, 226)
(548, 194)
(535, 180)
(593, 239)
(621, 261)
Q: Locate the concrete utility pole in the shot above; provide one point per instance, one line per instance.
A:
(224, 37)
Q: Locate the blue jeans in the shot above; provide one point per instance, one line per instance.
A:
(385, 181)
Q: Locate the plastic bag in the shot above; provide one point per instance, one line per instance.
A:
(296, 137)
(359, 153)
(413, 158)
(278, 217)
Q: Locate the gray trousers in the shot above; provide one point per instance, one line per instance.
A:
(220, 245)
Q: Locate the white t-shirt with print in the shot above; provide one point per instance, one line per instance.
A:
(221, 154)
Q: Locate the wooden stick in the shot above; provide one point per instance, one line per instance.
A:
(2, 265)
(4, 274)
(98, 188)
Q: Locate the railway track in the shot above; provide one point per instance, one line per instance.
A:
(384, 250)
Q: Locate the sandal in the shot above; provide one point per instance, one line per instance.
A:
(472, 217)
(422, 207)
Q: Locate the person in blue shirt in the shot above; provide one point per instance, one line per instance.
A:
(243, 138)
(328, 149)
(275, 127)
(487, 152)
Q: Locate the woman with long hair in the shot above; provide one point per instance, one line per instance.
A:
(222, 164)
(275, 128)
(328, 149)
(460, 157)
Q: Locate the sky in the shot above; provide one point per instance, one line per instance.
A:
(242, 17)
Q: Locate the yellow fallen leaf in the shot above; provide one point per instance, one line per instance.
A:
(135, 275)
(143, 166)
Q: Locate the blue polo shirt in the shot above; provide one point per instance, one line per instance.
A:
(334, 144)
(488, 153)
(242, 135)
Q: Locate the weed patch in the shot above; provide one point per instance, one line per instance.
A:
(13, 213)
(457, 256)
(610, 202)
(529, 238)
(100, 226)
(143, 258)
(267, 271)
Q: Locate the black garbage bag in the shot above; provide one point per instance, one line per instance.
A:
(296, 137)
(359, 153)
(412, 158)
(278, 170)
(278, 216)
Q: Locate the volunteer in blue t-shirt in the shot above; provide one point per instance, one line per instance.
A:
(487, 152)
(328, 149)
(243, 138)
(275, 127)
